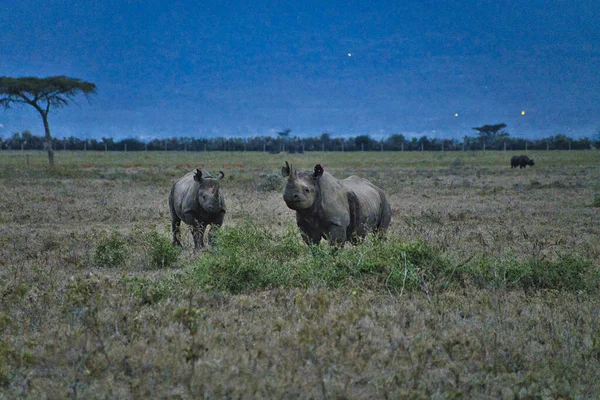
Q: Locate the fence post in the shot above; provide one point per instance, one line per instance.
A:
(526, 145)
(27, 160)
(504, 146)
(125, 147)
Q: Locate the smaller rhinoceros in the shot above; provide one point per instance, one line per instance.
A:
(337, 210)
(521, 162)
(196, 200)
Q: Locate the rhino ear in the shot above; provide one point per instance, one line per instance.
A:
(198, 175)
(318, 171)
(285, 171)
(221, 175)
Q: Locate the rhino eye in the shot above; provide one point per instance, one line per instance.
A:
(306, 190)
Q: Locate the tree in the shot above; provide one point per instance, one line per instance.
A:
(487, 133)
(284, 134)
(42, 94)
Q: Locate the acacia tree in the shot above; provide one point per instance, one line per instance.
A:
(43, 94)
(488, 133)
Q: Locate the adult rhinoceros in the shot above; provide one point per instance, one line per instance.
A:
(196, 200)
(337, 210)
(521, 162)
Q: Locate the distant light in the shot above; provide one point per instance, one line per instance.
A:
(523, 112)
(349, 54)
(456, 115)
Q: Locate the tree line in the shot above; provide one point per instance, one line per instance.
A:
(44, 94)
(325, 142)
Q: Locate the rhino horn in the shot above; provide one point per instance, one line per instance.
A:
(221, 175)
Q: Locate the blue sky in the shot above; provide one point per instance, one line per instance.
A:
(237, 68)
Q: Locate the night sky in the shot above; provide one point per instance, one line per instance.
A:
(240, 68)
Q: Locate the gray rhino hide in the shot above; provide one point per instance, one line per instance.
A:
(185, 206)
(344, 210)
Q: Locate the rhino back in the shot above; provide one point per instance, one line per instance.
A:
(183, 197)
(371, 204)
(333, 205)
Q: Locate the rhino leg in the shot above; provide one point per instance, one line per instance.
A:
(198, 234)
(175, 223)
(337, 236)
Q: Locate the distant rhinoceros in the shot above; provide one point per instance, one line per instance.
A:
(521, 161)
(196, 200)
(337, 210)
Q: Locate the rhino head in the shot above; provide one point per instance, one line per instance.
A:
(301, 189)
(208, 192)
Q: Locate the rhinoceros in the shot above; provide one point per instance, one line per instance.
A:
(521, 161)
(336, 210)
(196, 200)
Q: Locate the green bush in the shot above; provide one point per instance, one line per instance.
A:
(250, 258)
(270, 182)
(161, 253)
(111, 251)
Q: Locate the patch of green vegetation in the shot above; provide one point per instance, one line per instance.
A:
(249, 257)
(270, 182)
(111, 251)
(161, 253)
(596, 202)
(568, 273)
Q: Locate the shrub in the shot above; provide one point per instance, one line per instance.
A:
(111, 251)
(251, 258)
(270, 182)
(161, 253)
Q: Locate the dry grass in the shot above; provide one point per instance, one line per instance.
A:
(72, 326)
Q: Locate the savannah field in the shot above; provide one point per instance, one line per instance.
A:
(486, 286)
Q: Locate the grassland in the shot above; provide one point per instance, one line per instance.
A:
(486, 286)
